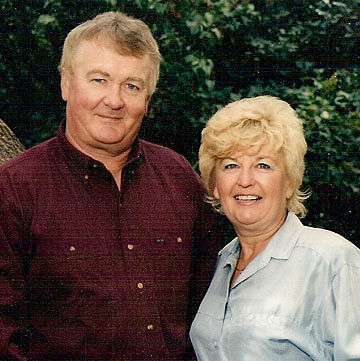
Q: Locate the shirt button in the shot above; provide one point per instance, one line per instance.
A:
(72, 249)
(140, 285)
(179, 240)
(251, 317)
(130, 246)
(86, 177)
(150, 327)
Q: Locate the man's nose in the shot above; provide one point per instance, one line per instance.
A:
(114, 98)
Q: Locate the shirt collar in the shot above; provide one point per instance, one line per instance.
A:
(82, 162)
(285, 239)
(280, 246)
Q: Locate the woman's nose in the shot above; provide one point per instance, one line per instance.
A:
(246, 177)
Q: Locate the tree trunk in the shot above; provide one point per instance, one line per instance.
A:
(10, 146)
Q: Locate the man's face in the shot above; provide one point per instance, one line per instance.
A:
(107, 97)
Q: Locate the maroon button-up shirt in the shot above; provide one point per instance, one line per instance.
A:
(88, 272)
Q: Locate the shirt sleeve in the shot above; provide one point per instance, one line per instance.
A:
(211, 231)
(16, 334)
(346, 291)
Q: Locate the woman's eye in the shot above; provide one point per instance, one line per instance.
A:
(264, 166)
(230, 166)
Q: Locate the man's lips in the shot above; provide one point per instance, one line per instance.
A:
(108, 116)
(247, 197)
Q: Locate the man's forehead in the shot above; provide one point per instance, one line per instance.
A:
(92, 52)
(109, 44)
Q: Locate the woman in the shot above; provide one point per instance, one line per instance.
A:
(281, 291)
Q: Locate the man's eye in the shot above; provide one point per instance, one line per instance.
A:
(98, 80)
(132, 86)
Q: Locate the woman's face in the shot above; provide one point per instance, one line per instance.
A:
(253, 189)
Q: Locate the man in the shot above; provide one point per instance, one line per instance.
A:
(104, 237)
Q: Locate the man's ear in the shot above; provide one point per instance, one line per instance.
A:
(147, 102)
(64, 86)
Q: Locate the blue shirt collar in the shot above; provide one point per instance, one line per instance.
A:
(280, 246)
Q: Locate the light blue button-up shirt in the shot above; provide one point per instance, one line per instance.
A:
(297, 300)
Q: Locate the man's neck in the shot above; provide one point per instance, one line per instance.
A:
(113, 157)
(115, 165)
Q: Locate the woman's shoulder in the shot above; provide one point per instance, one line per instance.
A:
(330, 246)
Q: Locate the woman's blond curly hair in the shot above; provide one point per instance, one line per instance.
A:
(255, 122)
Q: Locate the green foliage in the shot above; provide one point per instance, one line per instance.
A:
(331, 110)
(329, 104)
(214, 51)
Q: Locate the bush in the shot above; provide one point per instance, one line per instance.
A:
(329, 104)
(214, 51)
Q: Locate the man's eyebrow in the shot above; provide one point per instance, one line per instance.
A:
(99, 72)
(107, 75)
(136, 79)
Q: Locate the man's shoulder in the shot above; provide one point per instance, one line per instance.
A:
(157, 151)
(166, 163)
(35, 156)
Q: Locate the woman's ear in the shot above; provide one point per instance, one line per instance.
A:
(216, 192)
(290, 191)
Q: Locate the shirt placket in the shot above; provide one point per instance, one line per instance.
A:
(142, 289)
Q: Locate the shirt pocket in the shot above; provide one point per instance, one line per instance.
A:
(170, 253)
(60, 250)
